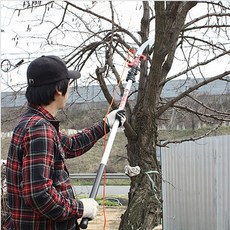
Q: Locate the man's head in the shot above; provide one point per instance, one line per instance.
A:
(45, 76)
(48, 69)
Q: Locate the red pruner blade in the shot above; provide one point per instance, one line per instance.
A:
(137, 60)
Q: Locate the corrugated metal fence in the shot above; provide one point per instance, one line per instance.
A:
(196, 186)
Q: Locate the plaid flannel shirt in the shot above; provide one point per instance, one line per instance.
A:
(40, 195)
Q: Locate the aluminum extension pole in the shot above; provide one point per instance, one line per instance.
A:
(130, 79)
(96, 185)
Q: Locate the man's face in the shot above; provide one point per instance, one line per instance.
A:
(66, 96)
(62, 99)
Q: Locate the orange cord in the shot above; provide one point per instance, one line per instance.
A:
(104, 140)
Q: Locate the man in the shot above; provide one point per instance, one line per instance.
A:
(40, 195)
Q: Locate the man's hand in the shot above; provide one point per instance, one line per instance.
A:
(90, 208)
(115, 114)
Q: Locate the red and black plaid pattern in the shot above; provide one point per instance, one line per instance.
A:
(40, 195)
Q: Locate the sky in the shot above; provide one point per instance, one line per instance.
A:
(28, 49)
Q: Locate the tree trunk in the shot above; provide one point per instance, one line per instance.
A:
(145, 207)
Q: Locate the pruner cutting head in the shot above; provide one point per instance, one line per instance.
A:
(136, 61)
(139, 53)
(141, 49)
(132, 50)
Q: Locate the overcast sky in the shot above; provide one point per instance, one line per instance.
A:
(28, 49)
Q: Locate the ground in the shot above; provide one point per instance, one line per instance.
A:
(113, 218)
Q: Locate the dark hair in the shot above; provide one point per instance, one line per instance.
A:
(44, 95)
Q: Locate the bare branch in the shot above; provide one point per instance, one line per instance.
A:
(190, 138)
(106, 19)
(60, 23)
(195, 66)
(188, 91)
(219, 116)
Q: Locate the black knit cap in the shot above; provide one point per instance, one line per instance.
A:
(49, 69)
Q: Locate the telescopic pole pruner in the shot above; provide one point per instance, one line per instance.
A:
(134, 66)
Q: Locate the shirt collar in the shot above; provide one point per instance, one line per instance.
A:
(48, 116)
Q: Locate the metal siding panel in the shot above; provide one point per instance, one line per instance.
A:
(196, 185)
(168, 169)
(223, 183)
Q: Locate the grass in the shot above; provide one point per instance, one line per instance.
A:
(180, 134)
(110, 201)
(86, 182)
(90, 161)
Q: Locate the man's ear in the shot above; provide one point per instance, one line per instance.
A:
(58, 92)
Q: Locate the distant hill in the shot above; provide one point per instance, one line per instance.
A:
(93, 93)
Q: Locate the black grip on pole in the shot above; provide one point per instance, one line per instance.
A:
(132, 73)
(93, 194)
(84, 223)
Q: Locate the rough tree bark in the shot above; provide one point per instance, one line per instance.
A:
(144, 208)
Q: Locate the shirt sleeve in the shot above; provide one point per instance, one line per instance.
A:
(37, 184)
(81, 142)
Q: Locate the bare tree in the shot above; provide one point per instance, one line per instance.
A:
(188, 41)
